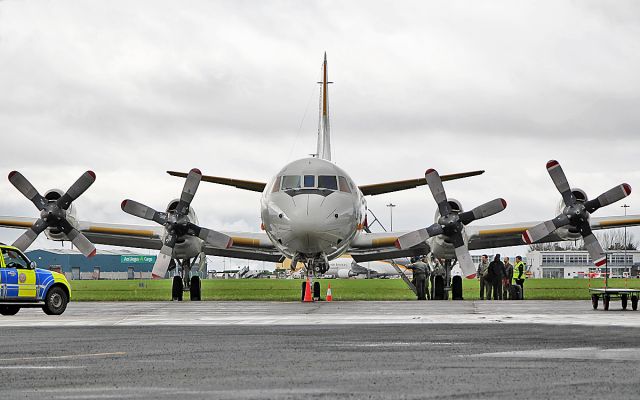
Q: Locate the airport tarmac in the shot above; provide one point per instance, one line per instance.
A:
(340, 350)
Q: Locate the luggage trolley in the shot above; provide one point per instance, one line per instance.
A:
(606, 294)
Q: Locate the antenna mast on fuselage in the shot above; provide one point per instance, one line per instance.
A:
(324, 138)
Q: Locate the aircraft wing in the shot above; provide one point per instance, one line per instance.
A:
(246, 245)
(388, 187)
(490, 236)
(239, 183)
(381, 246)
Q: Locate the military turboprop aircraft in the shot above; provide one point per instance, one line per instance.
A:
(312, 212)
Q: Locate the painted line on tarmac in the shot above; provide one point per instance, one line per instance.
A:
(42, 367)
(87, 355)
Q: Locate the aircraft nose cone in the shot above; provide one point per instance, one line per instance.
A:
(309, 224)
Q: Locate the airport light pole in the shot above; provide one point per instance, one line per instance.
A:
(625, 206)
(391, 205)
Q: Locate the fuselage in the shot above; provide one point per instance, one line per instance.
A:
(312, 209)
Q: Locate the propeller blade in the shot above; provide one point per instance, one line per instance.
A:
(486, 210)
(189, 190)
(140, 210)
(593, 247)
(78, 239)
(162, 262)
(437, 191)
(82, 243)
(560, 180)
(25, 240)
(416, 237)
(214, 238)
(465, 261)
(544, 229)
(26, 188)
(80, 186)
(610, 196)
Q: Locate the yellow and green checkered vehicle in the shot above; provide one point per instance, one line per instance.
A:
(23, 285)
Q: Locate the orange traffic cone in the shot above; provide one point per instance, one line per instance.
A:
(307, 292)
(329, 296)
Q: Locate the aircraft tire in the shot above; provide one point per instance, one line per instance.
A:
(195, 292)
(624, 298)
(605, 302)
(55, 302)
(316, 290)
(176, 289)
(594, 301)
(9, 310)
(634, 303)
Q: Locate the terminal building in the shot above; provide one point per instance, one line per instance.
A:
(106, 264)
(577, 264)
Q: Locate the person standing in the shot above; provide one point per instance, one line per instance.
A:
(483, 268)
(496, 271)
(506, 282)
(520, 273)
(420, 275)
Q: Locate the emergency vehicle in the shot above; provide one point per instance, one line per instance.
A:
(22, 285)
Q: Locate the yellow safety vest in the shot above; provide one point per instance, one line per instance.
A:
(516, 270)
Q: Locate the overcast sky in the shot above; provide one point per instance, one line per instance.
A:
(132, 89)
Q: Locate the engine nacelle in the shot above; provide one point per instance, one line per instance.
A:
(570, 233)
(191, 214)
(54, 233)
(187, 246)
(344, 273)
(455, 205)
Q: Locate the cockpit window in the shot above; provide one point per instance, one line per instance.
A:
(276, 185)
(290, 182)
(327, 182)
(309, 181)
(342, 182)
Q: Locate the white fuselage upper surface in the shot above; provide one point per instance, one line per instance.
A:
(312, 209)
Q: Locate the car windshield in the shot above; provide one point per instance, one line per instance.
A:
(13, 259)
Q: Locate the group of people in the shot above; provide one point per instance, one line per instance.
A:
(497, 277)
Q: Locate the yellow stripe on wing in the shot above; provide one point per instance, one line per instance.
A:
(122, 231)
(620, 222)
(22, 224)
(503, 231)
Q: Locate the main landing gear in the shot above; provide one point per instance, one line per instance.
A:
(184, 282)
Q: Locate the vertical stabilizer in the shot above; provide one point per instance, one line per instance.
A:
(324, 128)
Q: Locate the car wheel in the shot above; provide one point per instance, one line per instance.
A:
(55, 302)
(9, 310)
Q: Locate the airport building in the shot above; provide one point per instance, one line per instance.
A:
(106, 264)
(577, 264)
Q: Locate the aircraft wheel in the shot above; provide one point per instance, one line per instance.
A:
(9, 310)
(624, 299)
(605, 301)
(634, 303)
(316, 290)
(195, 292)
(176, 289)
(594, 301)
(55, 302)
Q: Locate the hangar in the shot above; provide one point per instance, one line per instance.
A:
(106, 264)
(577, 264)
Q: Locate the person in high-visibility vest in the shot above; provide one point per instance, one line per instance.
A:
(520, 273)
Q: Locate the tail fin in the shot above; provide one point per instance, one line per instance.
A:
(324, 134)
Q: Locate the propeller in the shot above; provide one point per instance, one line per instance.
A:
(176, 223)
(450, 223)
(576, 213)
(53, 213)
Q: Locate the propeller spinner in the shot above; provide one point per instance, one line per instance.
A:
(576, 213)
(176, 223)
(450, 224)
(53, 213)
